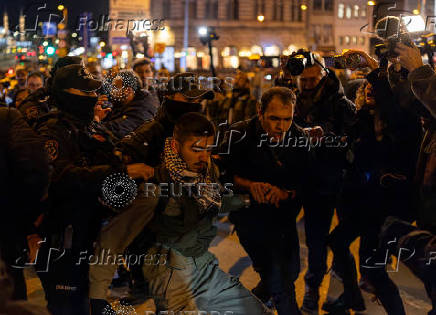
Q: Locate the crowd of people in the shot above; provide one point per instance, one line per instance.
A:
(96, 164)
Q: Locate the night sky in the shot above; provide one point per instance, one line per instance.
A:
(75, 7)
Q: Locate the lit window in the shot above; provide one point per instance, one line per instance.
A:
(363, 12)
(348, 12)
(347, 40)
(191, 58)
(341, 9)
(354, 40)
(356, 11)
(362, 40)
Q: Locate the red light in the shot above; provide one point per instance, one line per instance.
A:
(115, 53)
(23, 57)
(16, 57)
(103, 54)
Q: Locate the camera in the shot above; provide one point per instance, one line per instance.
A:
(386, 49)
(300, 60)
(351, 61)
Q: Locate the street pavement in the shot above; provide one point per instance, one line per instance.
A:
(234, 260)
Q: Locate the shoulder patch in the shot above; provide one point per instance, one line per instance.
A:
(52, 149)
(32, 112)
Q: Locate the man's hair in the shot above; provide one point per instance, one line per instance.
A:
(193, 125)
(36, 74)
(284, 94)
(141, 62)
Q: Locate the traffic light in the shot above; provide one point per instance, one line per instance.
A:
(50, 50)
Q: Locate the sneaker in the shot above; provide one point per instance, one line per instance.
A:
(340, 306)
(310, 300)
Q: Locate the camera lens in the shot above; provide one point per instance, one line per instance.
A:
(296, 65)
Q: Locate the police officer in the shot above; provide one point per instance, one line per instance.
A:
(81, 156)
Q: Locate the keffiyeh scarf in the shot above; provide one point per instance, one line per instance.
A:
(209, 195)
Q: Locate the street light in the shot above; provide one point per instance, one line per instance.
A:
(416, 11)
(202, 31)
(260, 18)
(207, 35)
(102, 44)
(45, 43)
(61, 7)
(303, 7)
(74, 35)
(371, 3)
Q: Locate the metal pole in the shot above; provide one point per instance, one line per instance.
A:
(212, 68)
(185, 38)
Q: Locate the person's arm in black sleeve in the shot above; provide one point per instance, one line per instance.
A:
(143, 144)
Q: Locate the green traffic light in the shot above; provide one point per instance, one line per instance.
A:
(50, 50)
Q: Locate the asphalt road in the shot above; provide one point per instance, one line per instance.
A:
(235, 261)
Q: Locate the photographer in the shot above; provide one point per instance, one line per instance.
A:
(378, 183)
(322, 108)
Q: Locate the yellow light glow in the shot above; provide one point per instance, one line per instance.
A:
(416, 11)
(260, 18)
(61, 7)
(102, 44)
(371, 3)
(303, 7)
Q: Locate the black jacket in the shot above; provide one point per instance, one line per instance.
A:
(245, 154)
(81, 157)
(23, 175)
(336, 115)
(331, 109)
(126, 118)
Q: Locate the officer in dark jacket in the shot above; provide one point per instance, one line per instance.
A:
(322, 108)
(23, 184)
(35, 106)
(146, 143)
(263, 157)
(82, 157)
(132, 106)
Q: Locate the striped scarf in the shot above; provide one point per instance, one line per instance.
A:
(209, 196)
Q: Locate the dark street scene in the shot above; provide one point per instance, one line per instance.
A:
(217, 157)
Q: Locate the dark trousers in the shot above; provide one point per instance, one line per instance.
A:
(271, 241)
(64, 277)
(318, 214)
(362, 215)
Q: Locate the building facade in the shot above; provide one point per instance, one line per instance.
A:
(248, 30)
